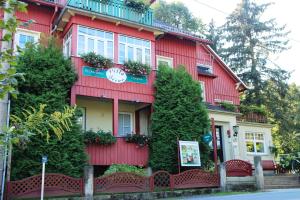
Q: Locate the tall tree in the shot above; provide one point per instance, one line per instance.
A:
(178, 15)
(213, 34)
(251, 41)
(179, 113)
(48, 79)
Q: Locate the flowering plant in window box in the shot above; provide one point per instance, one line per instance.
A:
(141, 140)
(97, 61)
(136, 68)
(100, 137)
(140, 6)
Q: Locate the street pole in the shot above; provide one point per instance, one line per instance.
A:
(4, 110)
(44, 161)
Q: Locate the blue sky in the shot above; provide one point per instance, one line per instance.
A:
(285, 12)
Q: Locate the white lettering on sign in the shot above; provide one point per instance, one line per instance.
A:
(116, 75)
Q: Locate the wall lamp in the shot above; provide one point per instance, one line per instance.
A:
(235, 130)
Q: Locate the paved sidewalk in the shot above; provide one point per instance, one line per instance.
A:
(281, 194)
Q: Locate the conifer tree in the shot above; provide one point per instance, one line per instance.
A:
(48, 79)
(179, 113)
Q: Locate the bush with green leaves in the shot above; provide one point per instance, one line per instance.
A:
(97, 61)
(49, 77)
(125, 168)
(179, 114)
(246, 109)
(228, 106)
(136, 68)
(141, 140)
(140, 6)
(99, 137)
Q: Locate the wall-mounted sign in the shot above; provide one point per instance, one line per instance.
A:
(114, 75)
(189, 153)
(207, 138)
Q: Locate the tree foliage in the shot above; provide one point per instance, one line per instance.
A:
(178, 15)
(8, 76)
(251, 40)
(214, 34)
(48, 79)
(179, 113)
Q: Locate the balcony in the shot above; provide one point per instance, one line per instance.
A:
(253, 117)
(113, 8)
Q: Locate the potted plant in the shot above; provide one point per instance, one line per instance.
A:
(140, 6)
(97, 61)
(136, 68)
(140, 140)
(100, 137)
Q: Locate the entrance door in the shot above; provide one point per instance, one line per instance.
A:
(220, 145)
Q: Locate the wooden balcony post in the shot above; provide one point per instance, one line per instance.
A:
(115, 116)
(213, 129)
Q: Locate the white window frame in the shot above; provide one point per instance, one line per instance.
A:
(254, 142)
(135, 47)
(131, 122)
(202, 85)
(35, 34)
(67, 40)
(95, 38)
(169, 60)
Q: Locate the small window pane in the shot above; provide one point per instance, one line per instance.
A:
(250, 146)
(147, 56)
(80, 44)
(82, 29)
(260, 147)
(122, 39)
(90, 45)
(130, 53)
(100, 34)
(139, 55)
(100, 47)
(130, 40)
(249, 136)
(92, 32)
(109, 36)
(110, 50)
(121, 53)
(147, 44)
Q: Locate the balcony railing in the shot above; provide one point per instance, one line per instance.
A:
(114, 8)
(253, 117)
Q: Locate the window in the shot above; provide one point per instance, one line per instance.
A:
(125, 124)
(134, 49)
(67, 44)
(161, 60)
(82, 119)
(255, 142)
(94, 40)
(202, 87)
(23, 36)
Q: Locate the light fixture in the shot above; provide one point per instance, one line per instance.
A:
(235, 130)
(228, 133)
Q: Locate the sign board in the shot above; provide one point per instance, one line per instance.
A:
(189, 153)
(207, 138)
(44, 159)
(114, 75)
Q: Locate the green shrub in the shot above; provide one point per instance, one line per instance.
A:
(99, 137)
(97, 61)
(245, 109)
(140, 6)
(179, 113)
(125, 168)
(228, 106)
(136, 68)
(141, 140)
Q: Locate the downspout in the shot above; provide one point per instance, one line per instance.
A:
(52, 19)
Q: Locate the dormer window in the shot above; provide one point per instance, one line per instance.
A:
(204, 69)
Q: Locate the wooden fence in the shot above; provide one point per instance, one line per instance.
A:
(61, 185)
(239, 168)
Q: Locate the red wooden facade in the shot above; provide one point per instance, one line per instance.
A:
(186, 51)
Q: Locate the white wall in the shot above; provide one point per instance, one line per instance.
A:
(245, 127)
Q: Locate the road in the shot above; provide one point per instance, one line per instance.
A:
(282, 194)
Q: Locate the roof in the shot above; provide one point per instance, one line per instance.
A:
(179, 32)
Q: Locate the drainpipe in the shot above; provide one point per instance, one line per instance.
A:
(52, 19)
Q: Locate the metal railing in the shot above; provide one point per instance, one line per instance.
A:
(114, 8)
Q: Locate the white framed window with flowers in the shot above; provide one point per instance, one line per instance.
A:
(95, 40)
(125, 125)
(255, 143)
(134, 49)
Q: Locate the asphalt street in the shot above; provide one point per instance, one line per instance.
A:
(282, 194)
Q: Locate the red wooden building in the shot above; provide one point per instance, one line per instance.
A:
(117, 31)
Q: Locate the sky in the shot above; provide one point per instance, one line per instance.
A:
(284, 11)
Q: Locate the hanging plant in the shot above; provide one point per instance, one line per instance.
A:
(136, 68)
(228, 106)
(140, 6)
(141, 140)
(100, 137)
(97, 61)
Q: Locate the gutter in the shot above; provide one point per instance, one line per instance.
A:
(52, 20)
